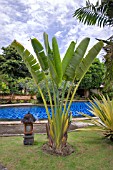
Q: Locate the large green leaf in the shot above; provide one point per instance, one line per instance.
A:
(57, 60)
(76, 59)
(83, 67)
(39, 50)
(54, 60)
(49, 51)
(46, 42)
(30, 62)
(68, 56)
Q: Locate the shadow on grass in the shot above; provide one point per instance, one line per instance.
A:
(98, 141)
(107, 140)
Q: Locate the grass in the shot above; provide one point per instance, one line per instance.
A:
(92, 152)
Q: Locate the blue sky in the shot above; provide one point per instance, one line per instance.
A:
(24, 19)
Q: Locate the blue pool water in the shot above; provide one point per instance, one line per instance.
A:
(39, 112)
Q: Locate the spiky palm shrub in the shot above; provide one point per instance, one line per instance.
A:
(103, 110)
(73, 67)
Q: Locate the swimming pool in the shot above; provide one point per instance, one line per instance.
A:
(39, 112)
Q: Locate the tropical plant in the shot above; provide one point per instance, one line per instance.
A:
(74, 65)
(100, 14)
(103, 110)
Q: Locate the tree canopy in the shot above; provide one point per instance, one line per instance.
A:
(12, 64)
(11, 69)
(94, 77)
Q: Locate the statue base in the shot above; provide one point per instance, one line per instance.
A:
(28, 139)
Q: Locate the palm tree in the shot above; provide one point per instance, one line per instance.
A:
(74, 65)
(109, 64)
(108, 60)
(100, 14)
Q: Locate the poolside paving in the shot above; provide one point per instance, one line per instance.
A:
(12, 128)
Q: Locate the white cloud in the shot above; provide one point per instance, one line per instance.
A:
(21, 20)
(58, 34)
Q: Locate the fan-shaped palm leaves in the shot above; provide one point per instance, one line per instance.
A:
(73, 67)
(100, 14)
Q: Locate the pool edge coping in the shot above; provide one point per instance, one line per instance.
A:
(31, 104)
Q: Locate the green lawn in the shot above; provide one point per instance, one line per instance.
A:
(92, 152)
